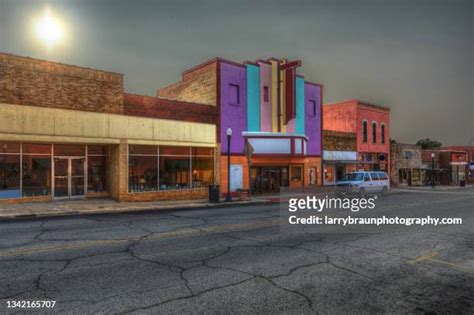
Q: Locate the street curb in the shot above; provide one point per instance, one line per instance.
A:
(151, 209)
(165, 209)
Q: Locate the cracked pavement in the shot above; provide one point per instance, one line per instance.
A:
(238, 260)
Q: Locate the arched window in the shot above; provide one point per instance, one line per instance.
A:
(382, 133)
(374, 132)
(364, 131)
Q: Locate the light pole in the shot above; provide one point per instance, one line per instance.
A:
(5, 146)
(229, 136)
(433, 170)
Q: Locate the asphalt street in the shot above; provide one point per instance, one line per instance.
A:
(241, 260)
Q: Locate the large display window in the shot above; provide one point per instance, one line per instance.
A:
(153, 168)
(97, 169)
(10, 169)
(143, 168)
(29, 169)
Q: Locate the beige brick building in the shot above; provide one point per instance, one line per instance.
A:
(72, 132)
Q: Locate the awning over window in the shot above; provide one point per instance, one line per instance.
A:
(277, 143)
(350, 156)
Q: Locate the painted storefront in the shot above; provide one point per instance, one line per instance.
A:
(271, 108)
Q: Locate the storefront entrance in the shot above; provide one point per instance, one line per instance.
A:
(69, 177)
(268, 179)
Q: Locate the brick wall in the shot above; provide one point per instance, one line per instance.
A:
(339, 141)
(380, 115)
(201, 193)
(154, 107)
(198, 85)
(28, 81)
(341, 116)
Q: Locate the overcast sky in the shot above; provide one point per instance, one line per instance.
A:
(414, 56)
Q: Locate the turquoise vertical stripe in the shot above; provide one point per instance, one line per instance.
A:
(253, 98)
(300, 108)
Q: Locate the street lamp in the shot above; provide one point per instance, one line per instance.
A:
(5, 146)
(229, 136)
(433, 170)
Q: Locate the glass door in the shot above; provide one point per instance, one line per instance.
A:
(69, 177)
(61, 177)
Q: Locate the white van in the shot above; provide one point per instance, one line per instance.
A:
(364, 183)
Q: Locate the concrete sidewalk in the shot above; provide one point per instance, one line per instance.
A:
(106, 205)
(109, 206)
(437, 188)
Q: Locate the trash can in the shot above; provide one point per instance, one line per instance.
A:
(462, 183)
(214, 193)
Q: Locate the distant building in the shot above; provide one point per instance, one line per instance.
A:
(406, 164)
(339, 155)
(470, 159)
(370, 123)
(451, 166)
(430, 167)
(456, 162)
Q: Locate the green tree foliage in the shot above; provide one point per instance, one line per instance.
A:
(427, 143)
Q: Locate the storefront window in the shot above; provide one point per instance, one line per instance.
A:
(9, 175)
(175, 168)
(29, 148)
(97, 168)
(69, 150)
(203, 167)
(9, 147)
(97, 150)
(296, 173)
(203, 172)
(36, 175)
(169, 168)
(329, 173)
(97, 173)
(143, 168)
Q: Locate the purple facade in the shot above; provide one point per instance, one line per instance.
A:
(312, 95)
(233, 105)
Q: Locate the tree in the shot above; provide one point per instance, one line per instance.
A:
(427, 143)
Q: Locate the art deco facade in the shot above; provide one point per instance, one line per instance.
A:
(267, 105)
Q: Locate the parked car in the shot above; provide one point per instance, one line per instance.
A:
(363, 183)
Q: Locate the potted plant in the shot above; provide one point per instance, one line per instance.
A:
(243, 194)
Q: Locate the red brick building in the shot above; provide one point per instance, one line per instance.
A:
(470, 159)
(371, 124)
(451, 165)
(457, 159)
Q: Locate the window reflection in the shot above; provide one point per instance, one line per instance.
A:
(203, 171)
(9, 176)
(97, 174)
(36, 178)
(175, 168)
(143, 173)
(174, 173)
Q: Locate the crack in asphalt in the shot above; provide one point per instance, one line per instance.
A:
(329, 257)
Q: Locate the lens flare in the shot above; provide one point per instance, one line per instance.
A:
(48, 29)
